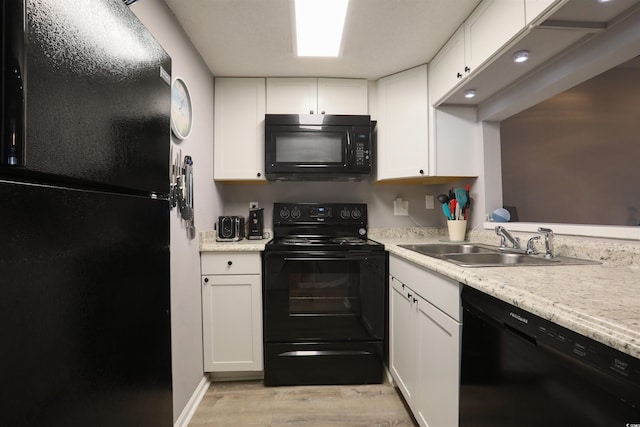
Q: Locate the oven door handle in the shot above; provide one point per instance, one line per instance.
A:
(326, 259)
(304, 353)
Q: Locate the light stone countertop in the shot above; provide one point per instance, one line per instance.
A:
(208, 243)
(601, 302)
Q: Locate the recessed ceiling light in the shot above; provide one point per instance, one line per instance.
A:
(319, 26)
(470, 93)
(521, 56)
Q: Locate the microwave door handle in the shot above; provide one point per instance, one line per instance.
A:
(349, 152)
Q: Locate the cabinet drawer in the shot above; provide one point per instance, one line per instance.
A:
(439, 290)
(230, 263)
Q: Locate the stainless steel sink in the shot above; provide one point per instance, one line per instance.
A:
(480, 255)
(497, 259)
(436, 249)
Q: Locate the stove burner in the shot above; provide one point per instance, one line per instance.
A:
(349, 241)
(295, 241)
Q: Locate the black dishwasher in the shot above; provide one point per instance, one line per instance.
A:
(520, 370)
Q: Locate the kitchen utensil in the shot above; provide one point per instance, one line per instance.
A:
(446, 210)
(461, 196)
(443, 198)
(172, 177)
(452, 206)
(468, 204)
(187, 210)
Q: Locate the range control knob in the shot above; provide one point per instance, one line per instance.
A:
(356, 214)
(362, 231)
(284, 213)
(295, 213)
(344, 213)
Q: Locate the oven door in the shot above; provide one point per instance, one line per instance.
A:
(324, 296)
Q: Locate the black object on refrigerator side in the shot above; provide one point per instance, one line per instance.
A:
(84, 218)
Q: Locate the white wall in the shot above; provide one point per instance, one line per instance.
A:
(186, 317)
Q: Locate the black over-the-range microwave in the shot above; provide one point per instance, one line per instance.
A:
(318, 147)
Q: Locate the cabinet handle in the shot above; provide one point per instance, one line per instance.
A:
(467, 69)
(310, 111)
(421, 172)
(229, 262)
(415, 300)
(259, 174)
(322, 112)
(409, 295)
(459, 75)
(206, 280)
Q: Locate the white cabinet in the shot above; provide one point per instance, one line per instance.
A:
(449, 67)
(454, 142)
(491, 25)
(535, 8)
(403, 125)
(232, 311)
(239, 129)
(416, 141)
(316, 96)
(425, 332)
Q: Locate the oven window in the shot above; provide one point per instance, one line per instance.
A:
(309, 147)
(324, 288)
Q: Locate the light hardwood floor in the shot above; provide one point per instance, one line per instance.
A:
(249, 404)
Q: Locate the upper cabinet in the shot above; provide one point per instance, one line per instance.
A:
(535, 8)
(238, 153)
(479, 56)
(449, 67)
(316, 96)
(417, 142)
(403, 128)
(491, 25)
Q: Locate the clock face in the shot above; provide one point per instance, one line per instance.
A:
(181, 113)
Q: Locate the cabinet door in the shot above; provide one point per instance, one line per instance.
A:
(342, 96)
(292, 95)
(491, 25)
(232, 322)
(455, 142)
(403, 128)
(447, 69)
(402, 341)
(438, 370)
(534, 8)
(239, 129)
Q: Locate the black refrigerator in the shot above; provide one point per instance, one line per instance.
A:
(84, 217)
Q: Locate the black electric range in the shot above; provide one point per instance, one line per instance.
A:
(325, 297)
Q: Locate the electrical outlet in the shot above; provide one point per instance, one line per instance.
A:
(253, 205)
(428, 201)
(401, 207)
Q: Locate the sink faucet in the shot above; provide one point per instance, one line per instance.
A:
(548, 241)
(504, 236)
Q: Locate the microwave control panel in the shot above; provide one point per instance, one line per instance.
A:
(362, 148)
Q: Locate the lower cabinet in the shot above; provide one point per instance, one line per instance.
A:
(232, 311)
(425, 332)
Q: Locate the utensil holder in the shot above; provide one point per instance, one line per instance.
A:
(457, 229)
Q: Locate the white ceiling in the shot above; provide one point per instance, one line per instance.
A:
(253, 37)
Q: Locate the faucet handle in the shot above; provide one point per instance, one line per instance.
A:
(547, 232)
(530, 248)
(548, 241)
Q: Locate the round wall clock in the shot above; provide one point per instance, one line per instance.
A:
(181, 109)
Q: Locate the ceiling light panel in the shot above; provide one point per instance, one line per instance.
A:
(319, 26)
